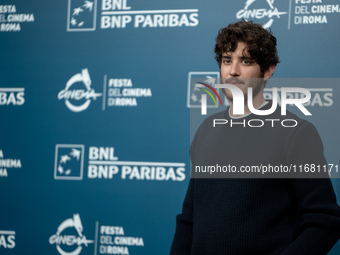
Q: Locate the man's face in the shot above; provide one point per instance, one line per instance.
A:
(237, 67)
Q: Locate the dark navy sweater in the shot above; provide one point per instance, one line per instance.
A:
(257, 215)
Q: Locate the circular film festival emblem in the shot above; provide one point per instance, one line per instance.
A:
(70, 240)
(78, 94)
(266, 10)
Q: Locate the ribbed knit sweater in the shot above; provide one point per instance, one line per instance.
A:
(264, 216)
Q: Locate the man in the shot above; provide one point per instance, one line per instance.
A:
(253, 215)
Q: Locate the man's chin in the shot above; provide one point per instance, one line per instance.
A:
(228, 94)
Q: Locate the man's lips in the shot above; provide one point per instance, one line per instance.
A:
(234, 82)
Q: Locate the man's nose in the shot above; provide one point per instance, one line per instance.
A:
(235, 70)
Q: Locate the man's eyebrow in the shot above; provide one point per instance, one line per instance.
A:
(242, 57)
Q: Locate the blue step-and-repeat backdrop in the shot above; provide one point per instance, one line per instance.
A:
(95, 105)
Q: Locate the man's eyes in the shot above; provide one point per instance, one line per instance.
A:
(244, 62)
(248, 62)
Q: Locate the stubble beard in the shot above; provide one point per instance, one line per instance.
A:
(257, 84)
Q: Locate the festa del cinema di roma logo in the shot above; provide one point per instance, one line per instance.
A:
(266, 11)
(72, 95)
(70, 240)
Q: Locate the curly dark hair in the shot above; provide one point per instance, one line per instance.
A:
(261, 43)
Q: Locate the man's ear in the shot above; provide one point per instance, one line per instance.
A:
(269, 72)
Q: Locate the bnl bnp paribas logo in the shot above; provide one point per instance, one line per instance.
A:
(104, 164)
(82, 15)
(263, 11)
(69, 238)
(199, 85)
(7, 239)
(69, 162)
(12, 96)
(78, 99)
